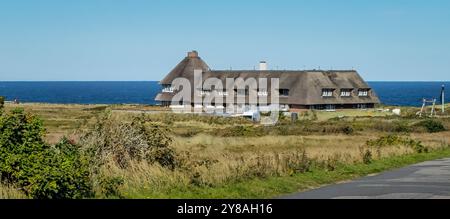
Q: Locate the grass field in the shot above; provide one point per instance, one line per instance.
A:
(276, 187)
(235, 158)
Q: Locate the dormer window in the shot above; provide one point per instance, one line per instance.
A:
(327, 92)
(346, 92)
(203, 92)
(167, 88)
(263, 93)
(241, 92)
(363, 92)
(284, 92)
(222, 93)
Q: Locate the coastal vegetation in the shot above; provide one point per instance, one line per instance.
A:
(118, 151)
(2, 102)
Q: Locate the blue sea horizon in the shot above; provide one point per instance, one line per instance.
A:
(396, 93)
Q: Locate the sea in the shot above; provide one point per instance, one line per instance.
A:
(144, 92)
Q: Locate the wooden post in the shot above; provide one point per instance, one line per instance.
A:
(433, 109)
(443, 99)
(423, 107)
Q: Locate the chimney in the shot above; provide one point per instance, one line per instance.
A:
(263, 66)
(193, 54)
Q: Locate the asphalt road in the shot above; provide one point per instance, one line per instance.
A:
(428, 180)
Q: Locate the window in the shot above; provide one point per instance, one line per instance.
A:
(204, 92)
(327, 92)
(284, 92)
(241, 92)
(262, 93)
(222, 93)
(363, 92)
(167, 88)
(346, 92)
(330, 107)
(362, 106)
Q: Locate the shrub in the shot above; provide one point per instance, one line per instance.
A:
(348, 130)
(387, 140)
(418, 147)
(122, 142)
(401, 126)
(239, 131)
(2, 102)
(39, 170)
(391, 140)
(110, 186)
(21, 145)
(366, 155)
(432, 126)
(388, 126)
(62, 174)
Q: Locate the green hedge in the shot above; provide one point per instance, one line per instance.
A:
(40, 170)
(432, 125)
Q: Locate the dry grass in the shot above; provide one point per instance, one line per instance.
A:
(208, 160)
(323, 115)
(7, 192)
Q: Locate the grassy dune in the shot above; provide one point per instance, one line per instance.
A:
(234, 158)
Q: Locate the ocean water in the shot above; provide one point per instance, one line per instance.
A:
(409, 93)
(390, 93)
(81, 92)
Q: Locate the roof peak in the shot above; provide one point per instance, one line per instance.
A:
(192, 54)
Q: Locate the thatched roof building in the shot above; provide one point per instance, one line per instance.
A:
(308, 89)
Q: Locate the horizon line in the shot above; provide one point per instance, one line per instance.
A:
(407, 81)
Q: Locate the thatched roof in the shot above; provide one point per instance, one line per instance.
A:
(185, 69)
(305, 87)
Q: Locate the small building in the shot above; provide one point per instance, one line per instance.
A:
(298, 89)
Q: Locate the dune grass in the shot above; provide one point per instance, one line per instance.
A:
(276, 187)
(234, 158)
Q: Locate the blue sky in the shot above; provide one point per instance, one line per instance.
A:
(84, 40)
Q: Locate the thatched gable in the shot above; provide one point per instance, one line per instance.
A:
(305, 87)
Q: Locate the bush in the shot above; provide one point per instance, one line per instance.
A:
(21, 145)
(392, 140)
(2, 102)
(239, 131)
(388, 140)
(348, 130)
(39, 170)
(62, 174)
(401, 126)
(432, 126)
(366, 155)
(110, 186)
(122, 142)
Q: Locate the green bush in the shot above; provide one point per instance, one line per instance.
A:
(348, 130)
(21, 145)
(366, 155)
(401, 126)
(62, 174)
(41, 171)
(2, 102)
(110, 186)
(432, 126)
(392, 140)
